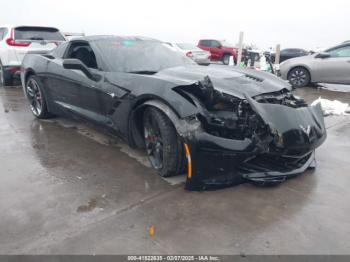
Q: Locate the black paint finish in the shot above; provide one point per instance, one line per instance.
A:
(240, 125)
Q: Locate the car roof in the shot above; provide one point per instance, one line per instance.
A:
(115, 37)
(293, 48)
(337, 46)
(38, 26)
(184, 43)
(6, 26)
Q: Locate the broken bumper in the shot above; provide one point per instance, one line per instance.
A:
(215, 166)
(220, 162)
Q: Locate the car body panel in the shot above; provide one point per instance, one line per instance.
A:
(187, 95)
(35, 46)
(7, 53)
(331, 70)
(334, 70)
(233, 81)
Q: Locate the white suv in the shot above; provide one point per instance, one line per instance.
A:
(15, 42)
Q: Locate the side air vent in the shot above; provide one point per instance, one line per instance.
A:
(251, 77)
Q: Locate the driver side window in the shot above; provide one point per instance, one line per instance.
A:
(340, 52)
(83, 52)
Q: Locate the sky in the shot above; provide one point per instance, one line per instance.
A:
(294, 23)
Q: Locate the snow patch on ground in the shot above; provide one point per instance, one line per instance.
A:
(332, 107)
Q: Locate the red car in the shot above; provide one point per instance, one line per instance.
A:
(219, 50)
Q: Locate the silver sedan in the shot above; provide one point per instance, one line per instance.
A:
(198, 55)
(331, 66)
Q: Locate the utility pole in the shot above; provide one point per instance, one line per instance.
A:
(277, 54)
(240, 48)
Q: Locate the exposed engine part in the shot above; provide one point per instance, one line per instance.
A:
(225, 115)
(283, 97)
(238, 121)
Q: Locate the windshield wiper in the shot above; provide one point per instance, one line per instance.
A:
(143, 72)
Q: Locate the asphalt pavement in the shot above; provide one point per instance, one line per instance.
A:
(68, 188)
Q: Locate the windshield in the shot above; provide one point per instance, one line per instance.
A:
(139, 56)
(187, 46)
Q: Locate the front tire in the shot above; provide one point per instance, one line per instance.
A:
(163, 145)
(299, 77)
(36, 97)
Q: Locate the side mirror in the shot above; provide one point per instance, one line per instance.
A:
(323, 55)
(76, 64)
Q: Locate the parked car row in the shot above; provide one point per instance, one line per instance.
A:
(298, 66)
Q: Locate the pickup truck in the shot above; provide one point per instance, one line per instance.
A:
(219, 50)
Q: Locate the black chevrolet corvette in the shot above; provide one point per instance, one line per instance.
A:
(220, 125)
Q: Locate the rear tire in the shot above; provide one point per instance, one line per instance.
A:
(6, 79)
(163, 145)
(36, 97)
(299, 77)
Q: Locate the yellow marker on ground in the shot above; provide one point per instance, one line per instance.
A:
(151, 230)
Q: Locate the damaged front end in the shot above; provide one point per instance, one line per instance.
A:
(263, 139)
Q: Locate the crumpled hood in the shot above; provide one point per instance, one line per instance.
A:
(299, 127)
(231, 80)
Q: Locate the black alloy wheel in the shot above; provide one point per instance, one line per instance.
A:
(36, 98)
(163, 145)
(154, 142)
